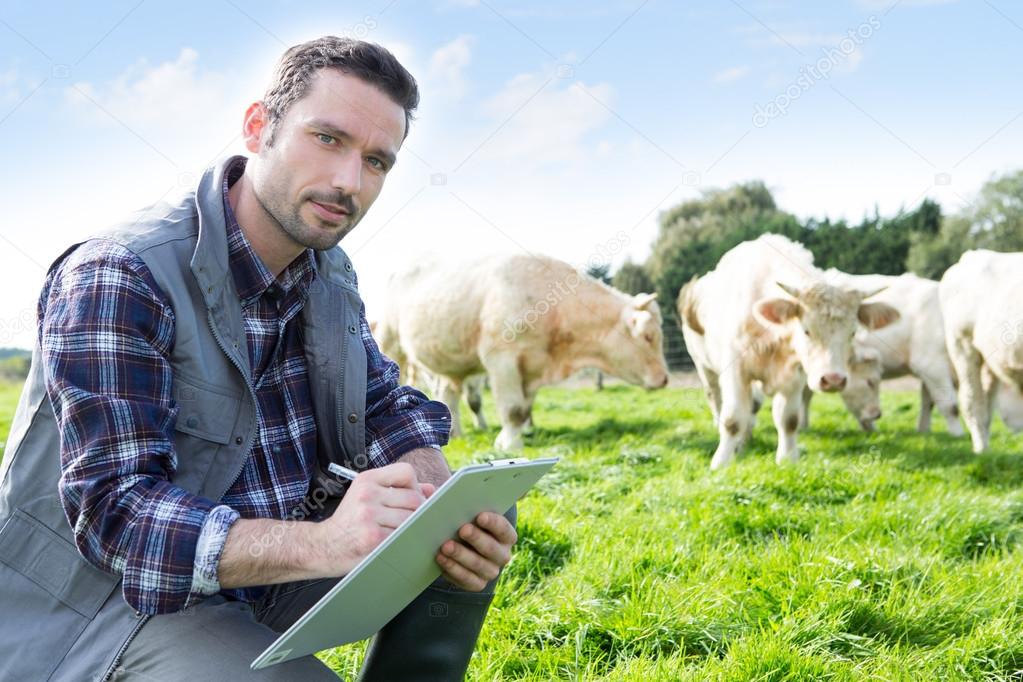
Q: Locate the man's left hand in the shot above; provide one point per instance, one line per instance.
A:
(484, 549)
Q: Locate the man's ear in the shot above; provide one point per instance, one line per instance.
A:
(254, 126)
(775, 310)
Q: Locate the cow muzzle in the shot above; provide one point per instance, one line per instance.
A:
(833, 381)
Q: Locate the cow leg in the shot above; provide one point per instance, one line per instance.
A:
(758, 398)
(923, 422)
(736, 413)
(474, 396)
(973, 400)
(787, 409)
(512, 406)
(940, 391)
(804, 410)
(709, 381)
(527, 426)
(450, 392)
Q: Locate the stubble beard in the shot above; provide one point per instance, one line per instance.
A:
(273, 199)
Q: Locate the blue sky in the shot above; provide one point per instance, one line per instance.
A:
(561, 128)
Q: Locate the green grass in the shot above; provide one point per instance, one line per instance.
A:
(885, 556)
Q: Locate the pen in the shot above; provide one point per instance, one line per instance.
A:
(343, 472)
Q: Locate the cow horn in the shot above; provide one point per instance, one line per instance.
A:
(790, 290)
(643, 300)
(875, 292)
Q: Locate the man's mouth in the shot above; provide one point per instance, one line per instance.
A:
(330, 212)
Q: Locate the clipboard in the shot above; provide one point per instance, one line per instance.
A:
(403, 565)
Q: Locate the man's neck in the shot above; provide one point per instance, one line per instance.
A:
(268, 240)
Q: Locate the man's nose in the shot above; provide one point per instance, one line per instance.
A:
(348, 174)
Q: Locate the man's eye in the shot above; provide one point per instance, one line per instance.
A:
(376, 163)
(325, 138)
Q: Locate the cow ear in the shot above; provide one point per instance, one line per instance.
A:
(776, 310)
(877, 315)
(641, 301)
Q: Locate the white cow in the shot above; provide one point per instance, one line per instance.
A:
(526, 321)
(983, 311)
(765, 314)
(913, 344)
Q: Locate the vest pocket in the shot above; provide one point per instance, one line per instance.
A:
(205, 411)
(52, 592)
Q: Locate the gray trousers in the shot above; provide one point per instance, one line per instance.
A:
(431, 639)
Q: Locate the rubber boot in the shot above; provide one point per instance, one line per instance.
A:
(433, 638)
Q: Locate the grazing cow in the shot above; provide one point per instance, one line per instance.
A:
(526, 321)
(766, 314)
(983, 312)
(913, 344)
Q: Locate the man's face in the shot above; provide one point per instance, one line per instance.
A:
(330, 154)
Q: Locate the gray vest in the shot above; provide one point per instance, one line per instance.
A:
(64, 619)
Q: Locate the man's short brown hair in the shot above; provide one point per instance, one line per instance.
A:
(368, 61)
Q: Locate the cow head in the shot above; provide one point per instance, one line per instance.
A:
(634, 349)
(862, 395)
(822, 320)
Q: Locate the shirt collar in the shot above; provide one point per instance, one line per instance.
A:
(251, 276)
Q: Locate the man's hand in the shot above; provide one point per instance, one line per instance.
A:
(377, 502)
(485, 548)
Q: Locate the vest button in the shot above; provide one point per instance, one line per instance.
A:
(348, 267)
(237, 440)
(192, 422)
(353, 417)
(276, 449)
(352, 329)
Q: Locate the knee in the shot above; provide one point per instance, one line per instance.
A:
(791, 423)
(517, 414)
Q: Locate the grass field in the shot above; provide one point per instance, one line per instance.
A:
(888, 556)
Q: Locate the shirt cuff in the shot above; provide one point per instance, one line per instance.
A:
(208, 548)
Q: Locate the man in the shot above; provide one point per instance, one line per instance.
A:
(196, 370)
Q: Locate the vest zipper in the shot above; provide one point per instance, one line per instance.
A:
(339, 401)
(124, 647)
(252, 394)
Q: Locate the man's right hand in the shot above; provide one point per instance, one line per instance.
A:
(376, 503)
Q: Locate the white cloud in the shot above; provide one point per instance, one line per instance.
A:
(545, 119)
(173, 92)
(730, 74)
(448, 62)
(15, 86)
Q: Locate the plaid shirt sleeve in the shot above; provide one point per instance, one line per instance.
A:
(398, 418)
(106, 333)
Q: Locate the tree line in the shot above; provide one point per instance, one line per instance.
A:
(693, 236)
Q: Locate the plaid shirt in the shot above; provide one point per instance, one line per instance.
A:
(106, 331)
